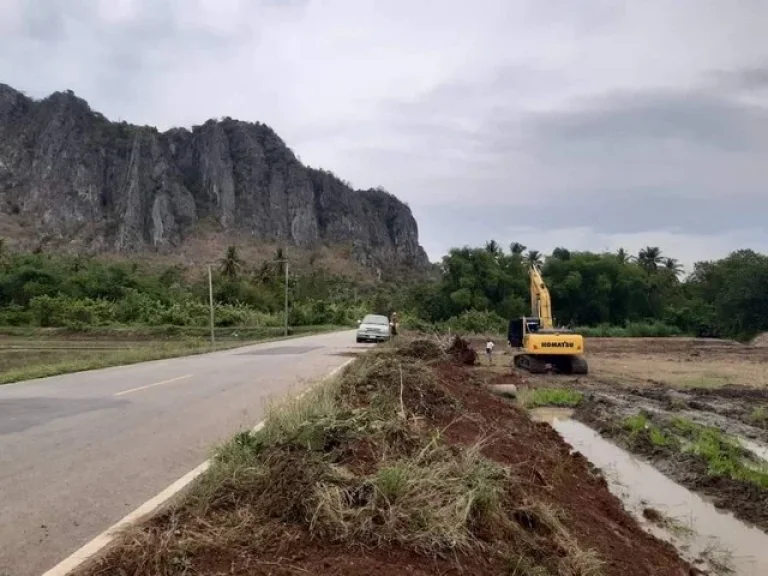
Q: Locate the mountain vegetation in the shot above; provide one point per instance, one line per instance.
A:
(79, 293)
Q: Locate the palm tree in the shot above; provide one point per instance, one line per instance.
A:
(624, 257)
(533, 258)
(674, 266)
(517, 249)
(262, 274)
(650, 257)
(231, 263)
(493, 248)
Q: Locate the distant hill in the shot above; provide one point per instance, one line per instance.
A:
(82, 183)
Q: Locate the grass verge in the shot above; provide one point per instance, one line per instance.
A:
(540, 397)
(22, 360)
(35, 364)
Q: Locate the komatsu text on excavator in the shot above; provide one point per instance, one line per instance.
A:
(543, 346)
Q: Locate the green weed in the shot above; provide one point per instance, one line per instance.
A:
(636, 424)
(563, 397)
(640, 425)
(759, 417)
(392, 481)
(658, 438)
(723, 453)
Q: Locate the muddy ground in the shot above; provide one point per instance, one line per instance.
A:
(714, 383)
(556, 516)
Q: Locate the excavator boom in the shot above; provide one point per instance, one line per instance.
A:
(541, 303)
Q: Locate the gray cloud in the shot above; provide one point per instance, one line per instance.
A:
(601, 122)
(694, 116)
(753, 78)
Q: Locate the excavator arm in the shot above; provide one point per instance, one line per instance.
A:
(541, 303)
(545, 346)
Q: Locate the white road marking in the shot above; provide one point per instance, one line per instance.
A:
(80, 556)
(124, 392)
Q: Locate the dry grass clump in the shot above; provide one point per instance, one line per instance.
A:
(432, 503)
(422, 349)
(388, 384)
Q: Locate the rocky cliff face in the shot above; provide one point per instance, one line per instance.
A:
(104, 186)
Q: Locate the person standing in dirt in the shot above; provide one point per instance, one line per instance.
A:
(489, 351)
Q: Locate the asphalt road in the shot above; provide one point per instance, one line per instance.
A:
(80, 451)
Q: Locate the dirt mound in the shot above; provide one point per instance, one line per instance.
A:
(761, 340)
(462, 352)
(403, 467)
(422, 349)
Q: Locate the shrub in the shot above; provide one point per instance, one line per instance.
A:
(477, 322)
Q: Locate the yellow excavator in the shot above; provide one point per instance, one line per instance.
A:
(544, 347)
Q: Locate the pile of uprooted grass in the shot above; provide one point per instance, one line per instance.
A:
(353, 471)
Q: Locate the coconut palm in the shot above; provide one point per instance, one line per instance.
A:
(624, 257)
(673, 265)
(517, 249)
(231, 264)
(533, 258)
(493, 248)
(650, 257)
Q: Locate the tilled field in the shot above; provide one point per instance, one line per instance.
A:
(406, 465)
(696, 409)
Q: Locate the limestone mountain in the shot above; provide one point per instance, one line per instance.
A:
(91, 184)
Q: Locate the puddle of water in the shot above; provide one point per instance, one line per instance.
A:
(757, 449)
(698, 530)
(551, 413)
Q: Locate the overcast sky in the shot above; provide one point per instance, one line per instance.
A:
(592, 124)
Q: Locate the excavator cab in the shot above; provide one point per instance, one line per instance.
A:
(519, 327)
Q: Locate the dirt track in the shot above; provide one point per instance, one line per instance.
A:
(720, 385)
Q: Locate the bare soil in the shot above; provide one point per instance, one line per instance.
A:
(715, 383)
(445, 401)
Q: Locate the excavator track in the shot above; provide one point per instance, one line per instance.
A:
(562, 364)
(530, 363)
(579, 365)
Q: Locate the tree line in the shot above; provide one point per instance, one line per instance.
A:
(57, 290)
(719, 298)
(474, 289)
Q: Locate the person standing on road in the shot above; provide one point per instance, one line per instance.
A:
(489, 351)
(393, 324)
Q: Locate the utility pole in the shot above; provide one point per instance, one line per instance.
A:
(285, 310)
(210, 302)
(286, 298)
